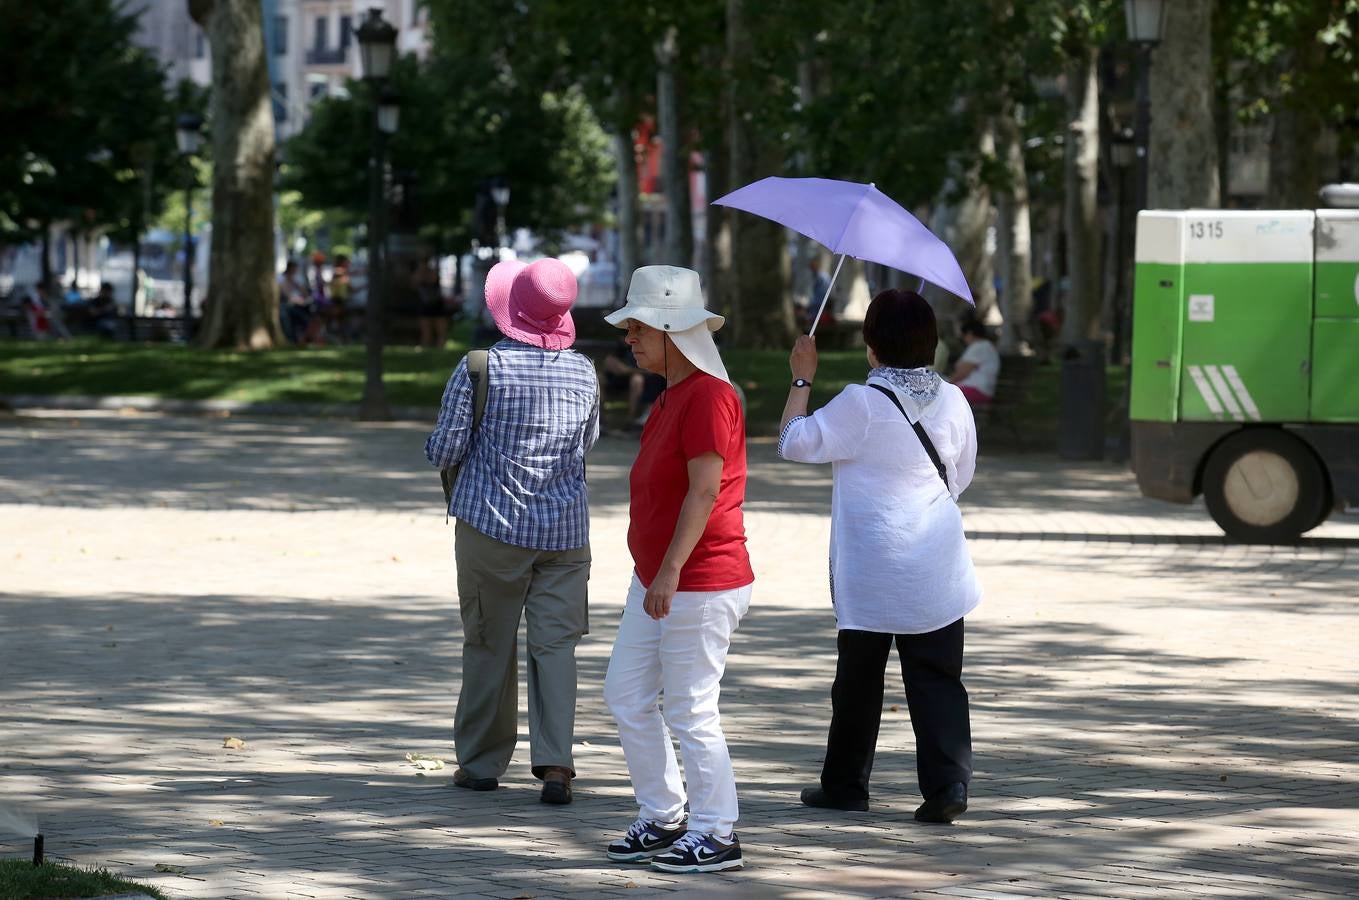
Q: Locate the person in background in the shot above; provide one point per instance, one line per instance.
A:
(339, 296)
(294, 304)
(103, 311)
(978, 368)
(691, 583)
(434, 312)
(622, 372)
(902, 448)
(522, 541)
(820, 284)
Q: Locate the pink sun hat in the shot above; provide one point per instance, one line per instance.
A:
(532, 303)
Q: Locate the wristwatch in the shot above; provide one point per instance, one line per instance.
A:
(801, 382)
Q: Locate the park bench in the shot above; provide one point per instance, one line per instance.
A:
(1012, 389)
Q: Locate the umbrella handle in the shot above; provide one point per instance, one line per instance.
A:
(822, 308)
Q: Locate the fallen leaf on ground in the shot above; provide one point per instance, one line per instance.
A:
(894, 707)
(629, 884)
(233, 743)
(216, 823)
(425, 763)
(173, 870)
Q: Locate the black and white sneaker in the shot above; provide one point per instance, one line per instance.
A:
(644, 840)
(698, 852)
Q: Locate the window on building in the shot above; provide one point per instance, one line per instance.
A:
(280, 35)
(321, 41)
(346, 32)
(280, 99)
(200, 44)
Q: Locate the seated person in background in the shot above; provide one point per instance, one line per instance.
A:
(103, 311)
(978, 368)
(621, 371)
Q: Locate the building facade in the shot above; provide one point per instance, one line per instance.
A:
(310, 44)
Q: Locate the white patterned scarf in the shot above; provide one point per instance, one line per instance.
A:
(917, 389)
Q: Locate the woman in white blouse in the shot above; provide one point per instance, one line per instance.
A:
(903, 446)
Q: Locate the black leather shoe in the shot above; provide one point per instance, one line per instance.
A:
(556, 786)
(464, 779)
(944, 805)
(815, 796)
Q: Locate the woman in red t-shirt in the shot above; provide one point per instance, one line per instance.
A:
(691, 584)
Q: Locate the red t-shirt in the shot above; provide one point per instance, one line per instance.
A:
(699, 415)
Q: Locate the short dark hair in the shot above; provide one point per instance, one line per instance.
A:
(901, 329)
(975, 328)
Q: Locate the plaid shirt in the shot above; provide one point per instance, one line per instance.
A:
(523, 473)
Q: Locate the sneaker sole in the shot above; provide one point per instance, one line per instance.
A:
(639, 856)
(696, 869)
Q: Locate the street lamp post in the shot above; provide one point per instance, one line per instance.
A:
(1146, 23)
(188, 132)
(377, 47)
(1146, 20)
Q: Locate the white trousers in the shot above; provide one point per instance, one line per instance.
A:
(683, 657)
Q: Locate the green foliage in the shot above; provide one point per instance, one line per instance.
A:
(1298, 54)
(464, 120)
(85, 112)
(19, 879)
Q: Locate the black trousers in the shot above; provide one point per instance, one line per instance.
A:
(932, 668)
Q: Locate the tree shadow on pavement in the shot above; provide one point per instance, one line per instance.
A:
(116, 737)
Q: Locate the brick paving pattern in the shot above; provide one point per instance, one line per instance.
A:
(1155, 712)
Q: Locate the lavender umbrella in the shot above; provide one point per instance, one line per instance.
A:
(855, 220)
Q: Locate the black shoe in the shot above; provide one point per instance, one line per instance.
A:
(815, 796)
(645, 839)
(700, 853)
(944, 805)
(464, 779)
(556, 786)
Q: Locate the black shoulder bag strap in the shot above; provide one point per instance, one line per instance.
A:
(919, 432)
(481, 383)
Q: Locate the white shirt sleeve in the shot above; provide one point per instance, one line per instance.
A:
(965, 463)
(833, 432)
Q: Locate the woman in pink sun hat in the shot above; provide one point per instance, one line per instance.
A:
(531, 302)
(522, 541)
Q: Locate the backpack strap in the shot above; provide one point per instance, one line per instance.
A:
(477, 362)
(478, 372)
(919, 432)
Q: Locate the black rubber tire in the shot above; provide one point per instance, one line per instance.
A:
(1306, 510)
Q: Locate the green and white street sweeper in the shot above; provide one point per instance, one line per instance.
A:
(1245, 374)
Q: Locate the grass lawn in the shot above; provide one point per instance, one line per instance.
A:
(19, 879)
(414, 377)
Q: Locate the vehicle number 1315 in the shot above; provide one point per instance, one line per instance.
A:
(1205, 230)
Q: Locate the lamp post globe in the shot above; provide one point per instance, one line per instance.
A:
(377, 45)
(1146, 21)
(188, 133)
(388, 110)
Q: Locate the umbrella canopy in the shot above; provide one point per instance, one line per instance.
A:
(854, 220)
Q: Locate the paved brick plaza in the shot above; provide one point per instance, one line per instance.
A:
(1154, 711)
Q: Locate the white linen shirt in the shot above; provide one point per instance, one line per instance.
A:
(898, 557)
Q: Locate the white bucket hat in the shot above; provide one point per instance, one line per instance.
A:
(670, 299)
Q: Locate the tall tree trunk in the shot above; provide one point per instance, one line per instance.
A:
(629, 253)
(1182, 152)
(1294, 158)
(45, 270)
(241, 309)
(1082, 322)
(717, 272)
(1015, 238)
(764, 310)
(679, 221)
